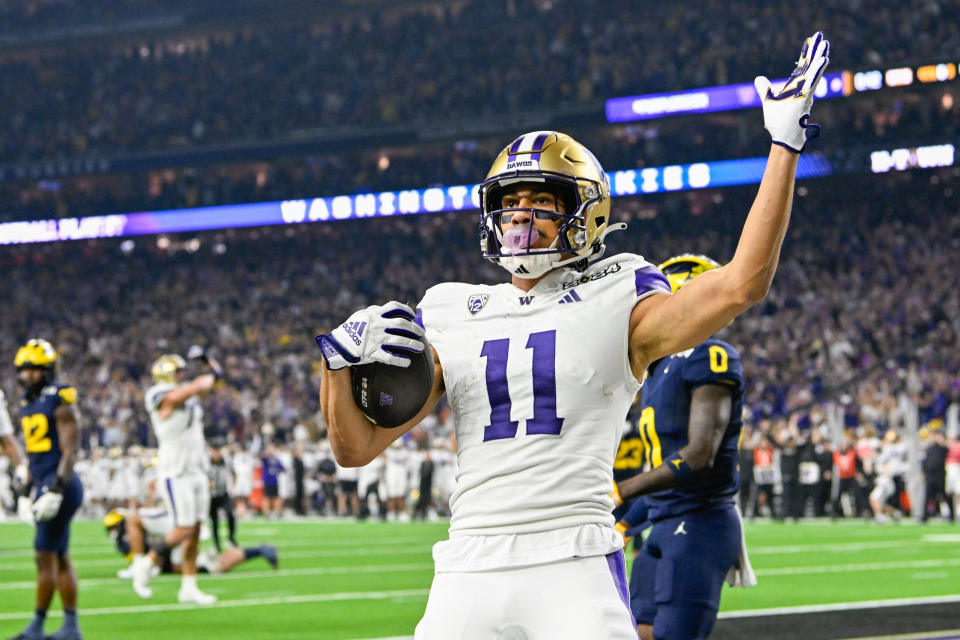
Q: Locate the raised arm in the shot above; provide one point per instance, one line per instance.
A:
(661, 325)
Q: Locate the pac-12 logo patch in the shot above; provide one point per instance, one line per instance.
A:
(476, 302)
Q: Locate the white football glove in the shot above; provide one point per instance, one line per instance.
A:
(786, 114)
(47, 505)
(25, 509)
(385, 334)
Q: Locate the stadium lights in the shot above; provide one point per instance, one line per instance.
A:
(630, 182)
(743, 96)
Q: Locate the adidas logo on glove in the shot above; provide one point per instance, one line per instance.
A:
(354, 330)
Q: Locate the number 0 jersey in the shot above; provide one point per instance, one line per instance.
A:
(664, 423)
(39, 423)
(539, 384)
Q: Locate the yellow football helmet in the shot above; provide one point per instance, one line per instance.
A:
(164, 369)
(685, 267)
(573, 174)
(113, 518)
(37, 353)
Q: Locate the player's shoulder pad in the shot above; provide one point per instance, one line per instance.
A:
(67, 393)
(451, 300)
(155, 394)
(711, 361)
(644, 275)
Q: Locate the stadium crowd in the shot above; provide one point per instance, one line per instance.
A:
(863, 309)
(224, 85)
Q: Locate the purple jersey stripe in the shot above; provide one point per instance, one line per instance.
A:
(538, 146)
(173, 504)
(650, 279)
(419, 318)
(619, 572)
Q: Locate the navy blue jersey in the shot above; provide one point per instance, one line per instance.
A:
(665, 419)
(40, 428)
(629, 460)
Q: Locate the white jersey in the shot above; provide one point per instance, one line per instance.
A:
(539, 384)
(181, 446)
(6, 426)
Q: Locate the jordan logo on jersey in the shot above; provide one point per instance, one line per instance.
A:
(477, 302)
(571, 297)
(680, 529)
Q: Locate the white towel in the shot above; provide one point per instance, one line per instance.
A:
(741, 573)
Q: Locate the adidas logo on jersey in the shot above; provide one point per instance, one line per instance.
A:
(571, 297)
(354, 330)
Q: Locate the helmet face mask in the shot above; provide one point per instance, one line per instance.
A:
(555, 163)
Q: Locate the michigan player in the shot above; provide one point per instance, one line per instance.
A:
(130, 530)
(177, 419)
(690, 422)
(49, 424)
(540, 372)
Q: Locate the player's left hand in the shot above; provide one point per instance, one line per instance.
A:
(47, 505)
(786, 114)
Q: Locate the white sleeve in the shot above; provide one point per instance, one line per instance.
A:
(6, 425)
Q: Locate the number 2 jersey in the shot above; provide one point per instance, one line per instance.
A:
(539, 384)
(664, 424)
(39, 423)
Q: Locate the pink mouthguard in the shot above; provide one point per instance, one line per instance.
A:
(520, 238)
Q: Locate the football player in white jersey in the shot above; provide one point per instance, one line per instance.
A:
(11, 447)
(176, 416)
(539, 374)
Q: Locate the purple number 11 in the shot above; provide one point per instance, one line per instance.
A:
(544, 420)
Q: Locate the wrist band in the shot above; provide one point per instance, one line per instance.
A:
(678, 466)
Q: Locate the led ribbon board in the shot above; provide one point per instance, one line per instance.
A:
(631, 182)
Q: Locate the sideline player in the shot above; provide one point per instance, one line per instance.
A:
(50, 433)
(177, 419)
(131, 530)
(540, 373)
(690, 421)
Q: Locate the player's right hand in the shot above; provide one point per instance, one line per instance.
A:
(786, 113)
(375, 334)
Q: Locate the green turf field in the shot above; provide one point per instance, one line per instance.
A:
(346, 581)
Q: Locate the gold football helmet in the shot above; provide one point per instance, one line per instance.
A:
(37, 353)
(574, 175)
(164, 369)
(685, 267)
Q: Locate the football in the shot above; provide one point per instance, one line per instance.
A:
(390, 396)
